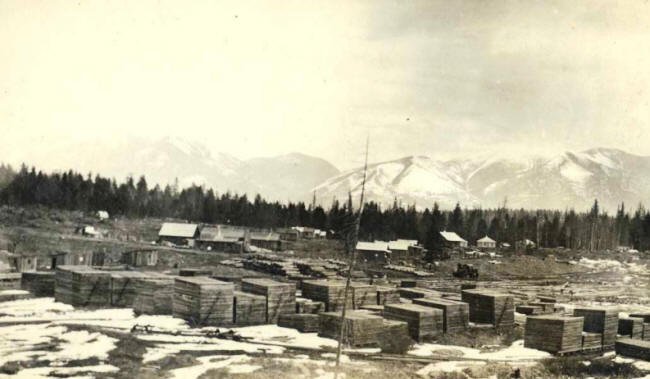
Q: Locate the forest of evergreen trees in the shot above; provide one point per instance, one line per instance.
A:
(589, 230)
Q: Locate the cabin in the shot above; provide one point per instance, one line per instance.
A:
(225, 238)
(266, 240)
(140, 258)
(82, 258)
(178, 234)
(23, 262)
(102, 215)
(376, 252)
(402, 249)
(486, 243)
(287, 234)
(453, 240)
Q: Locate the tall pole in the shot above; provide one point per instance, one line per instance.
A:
(351, 253)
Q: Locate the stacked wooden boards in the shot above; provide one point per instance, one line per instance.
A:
(280, 296)
(591, 341)
(363, 294)
(195, 272)
(123, 287)
(304, 322)
(309, 306)
(360, 328)
(455, 313)
(38, 283)
(529, 310)
(249, 309)
(646, 324)
(82, 286)
(554, 333)
(330, 292)
(154, 295)
(631, 327)
(423, 322)
(490, 307)
(203, 301)
(418, 293)
(387, 295)
(633, 348)
(600, 320)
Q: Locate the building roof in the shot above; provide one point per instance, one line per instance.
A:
(222, 233)
(262, 236)
(373, 246)
(401, 244)
(486, 239)
(102, 214)
(451, 237)
(172, 229)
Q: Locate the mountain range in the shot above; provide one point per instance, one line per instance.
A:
(567, 180)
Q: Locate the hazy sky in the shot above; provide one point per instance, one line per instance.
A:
(439, 78)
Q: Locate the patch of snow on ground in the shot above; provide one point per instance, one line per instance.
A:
(514, 353)
(447, 366)
(211, 363)
(13, 292)
(49, 372)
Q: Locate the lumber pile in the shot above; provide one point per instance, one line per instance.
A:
(455, 314)
(82, 286)
(309, 306)
(490, 307)
(194, 272)
(646, 332)
(631, 327)
(280, 296)
(329, 292)
(529, 310)
(423, 322)
(591, 340)
(11, 295)
(600, 320)
(633, 348)
(418, 293)
(203, 301)
(303, 322)
(123, 287)
(387, 295)
(376, 309)
(249, 309)
(546, 307)
(360, 328)
(38, 283)
(554, 333)
(646, 324)
(546, 299)
(363, 294)
(154, 295)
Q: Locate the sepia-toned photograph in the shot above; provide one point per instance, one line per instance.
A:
(324, 189)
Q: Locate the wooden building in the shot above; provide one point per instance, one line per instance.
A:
(23, 262)
(223, 238)
(178, 234)
(140, 258)
(453, 240)
(77, 258)
(266, 240)
(486, 243)
(376, 252)
(288, 234)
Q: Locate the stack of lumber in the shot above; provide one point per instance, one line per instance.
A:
(11, 295)
(600, 320)
(39, 283)
(203, 301)
(547, 308)
(329, 292)
(418, 293)
(360, 328)
(9, 280)
(387, 295)
(309, 306)
(455, 314)
(646, 324)
(363, 294)
(249, 309)
(554, 333)
(490, 307)
(631, 327)
(530, 310)
(547, 299)
(280, 296)
(304, 322)
(423, 322)
(154, 295)
(123, 287)
(194, 272)
(633, 348)
(82, 286)
(591, 340)
(376, 309)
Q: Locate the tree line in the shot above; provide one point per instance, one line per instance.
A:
(590, 230)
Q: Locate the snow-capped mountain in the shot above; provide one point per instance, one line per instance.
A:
(566, 180)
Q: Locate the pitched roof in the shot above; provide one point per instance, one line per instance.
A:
(373, 246)
(401, 244)
(222, 233)
(451, 237)
(172, 229)
(486, 239)
(263, 236)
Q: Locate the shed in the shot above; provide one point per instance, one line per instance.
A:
(224, 238)
(453, 240)
(486, 243)
(177, 233)
(23, 262)
(140, 258)
(266, 240)
(373, 251)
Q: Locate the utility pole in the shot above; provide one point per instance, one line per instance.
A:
(351, 253)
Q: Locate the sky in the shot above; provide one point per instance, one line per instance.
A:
(261, 78)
